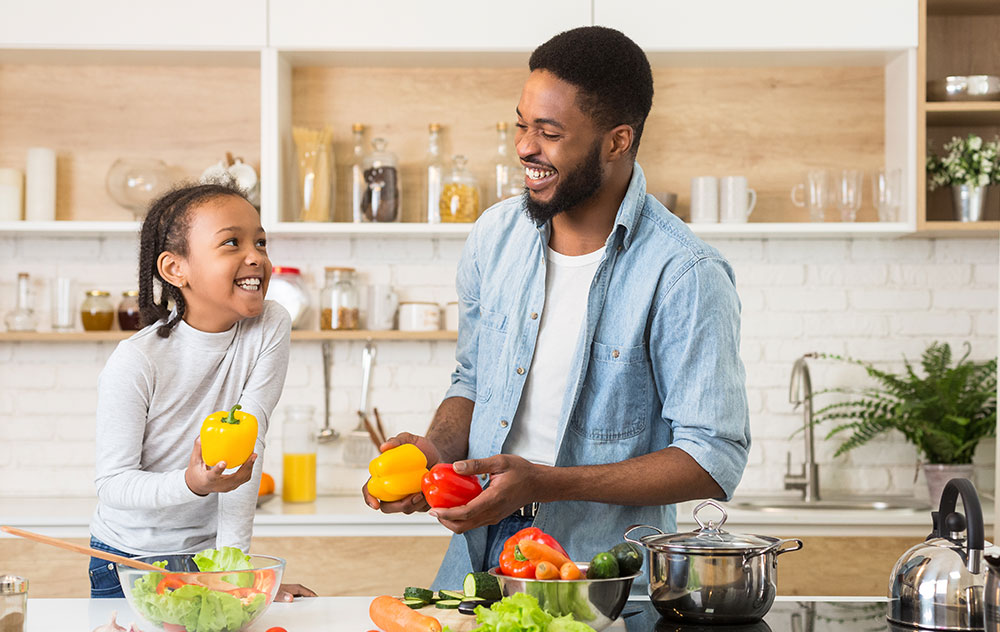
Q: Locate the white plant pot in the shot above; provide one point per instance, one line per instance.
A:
(938, 475)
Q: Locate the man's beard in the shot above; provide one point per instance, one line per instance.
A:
(577, 186)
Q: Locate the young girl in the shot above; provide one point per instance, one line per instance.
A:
(202, 248)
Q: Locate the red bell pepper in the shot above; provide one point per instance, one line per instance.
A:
(443, 487)
(512, 566)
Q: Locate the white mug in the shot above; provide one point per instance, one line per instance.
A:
(419, 317)
(736, 200)
(382, 304)
(704, 200)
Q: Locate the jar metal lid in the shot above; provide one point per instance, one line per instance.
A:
(338, 269)
(420, 303)
(130, 293)
(13, 585)
(99, 293)
(285, 270)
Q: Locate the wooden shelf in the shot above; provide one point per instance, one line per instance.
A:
(960, 113)
(959, 229)
(297, 336)
(963, 7)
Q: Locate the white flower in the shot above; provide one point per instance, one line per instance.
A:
(975, 142)
(983, 180)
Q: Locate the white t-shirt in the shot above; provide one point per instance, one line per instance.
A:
(152, 397)
(536, 423)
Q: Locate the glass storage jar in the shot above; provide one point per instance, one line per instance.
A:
(298, 475)
(383, 195)
(289, 290)
(128, 311)
(97, 312)
(13, 603)
(459, 194)
(339, 303)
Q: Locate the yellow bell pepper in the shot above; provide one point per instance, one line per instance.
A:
(228, 436)
(397, 473)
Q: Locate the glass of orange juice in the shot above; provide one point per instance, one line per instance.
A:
(298, 480)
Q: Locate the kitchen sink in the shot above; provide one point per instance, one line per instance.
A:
(845, 503)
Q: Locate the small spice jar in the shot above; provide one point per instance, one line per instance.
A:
(288, 290)
(97, 311)
(339, 303)
(13, 603)
(128, 311)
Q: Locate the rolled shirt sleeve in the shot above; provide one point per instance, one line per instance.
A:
(694, 348)
(463, 379)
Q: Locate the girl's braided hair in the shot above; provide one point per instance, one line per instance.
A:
(165, 229)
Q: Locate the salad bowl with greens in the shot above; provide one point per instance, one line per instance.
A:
(216, 590)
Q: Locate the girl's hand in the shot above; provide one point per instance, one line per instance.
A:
(204, 480)
(286, 592)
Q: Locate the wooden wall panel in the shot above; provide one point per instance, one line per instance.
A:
(770, 124)
(94, 114)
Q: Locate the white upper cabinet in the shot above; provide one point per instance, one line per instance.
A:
(134, 24)
(763, 25)
(513, 25)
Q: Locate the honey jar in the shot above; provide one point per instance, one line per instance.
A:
(97, 312)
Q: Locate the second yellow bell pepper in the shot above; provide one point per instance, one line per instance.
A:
(228, 436)
(397, 473)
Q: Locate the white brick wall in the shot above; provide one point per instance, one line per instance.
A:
(874, 299)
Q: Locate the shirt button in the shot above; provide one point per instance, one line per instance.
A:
(520, 370)
(615, 354)
(503, 423)
(619, 248)
(534, 315)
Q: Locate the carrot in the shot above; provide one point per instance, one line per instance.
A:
(569, 570)
(546, 570)
(392, 615)
(537, 552)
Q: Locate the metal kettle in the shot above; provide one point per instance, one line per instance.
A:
(939, 584)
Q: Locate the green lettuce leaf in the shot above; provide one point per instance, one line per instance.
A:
(227, 558)
(520, 612)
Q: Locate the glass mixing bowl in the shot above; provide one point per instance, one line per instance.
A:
(184, 599)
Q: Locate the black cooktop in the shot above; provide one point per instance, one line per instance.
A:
(784, 616)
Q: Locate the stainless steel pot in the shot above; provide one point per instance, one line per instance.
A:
(710, 575)
(939, 583)
(991, 594)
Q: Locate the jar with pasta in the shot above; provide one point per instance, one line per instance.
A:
(459, 194)
(316, 173)
(339, 302)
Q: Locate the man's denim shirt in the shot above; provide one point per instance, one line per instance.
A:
(657, 365)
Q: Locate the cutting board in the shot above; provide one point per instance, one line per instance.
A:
(453, 619)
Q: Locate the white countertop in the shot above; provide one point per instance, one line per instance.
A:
(304, 615)
(349, 516)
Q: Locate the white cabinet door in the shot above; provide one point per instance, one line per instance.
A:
(513, 25)
(141, 24)
(765, 25)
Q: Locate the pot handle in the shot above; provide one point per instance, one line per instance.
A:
(974, 526)
(776, 548)
(638, 526)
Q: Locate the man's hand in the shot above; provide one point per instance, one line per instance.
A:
(513, 484)
(204, 480)
(287, 592)
(413, 502)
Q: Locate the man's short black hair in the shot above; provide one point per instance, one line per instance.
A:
(611, 71)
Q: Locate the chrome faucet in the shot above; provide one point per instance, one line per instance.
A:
(800, 394)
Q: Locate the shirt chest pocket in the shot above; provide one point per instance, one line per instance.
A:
(615, 401)
(492, 336)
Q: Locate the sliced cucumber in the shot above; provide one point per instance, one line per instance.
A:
(414, 603)
(415, 592)
(470, 604)
(448, 604)
(481, 585)
(451, 594)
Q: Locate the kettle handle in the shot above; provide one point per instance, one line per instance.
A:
(973, 514)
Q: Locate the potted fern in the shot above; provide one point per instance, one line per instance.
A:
(944, 413)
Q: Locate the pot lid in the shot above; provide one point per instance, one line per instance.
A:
(710, 538)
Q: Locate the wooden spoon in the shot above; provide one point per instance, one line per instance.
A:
(78, 548)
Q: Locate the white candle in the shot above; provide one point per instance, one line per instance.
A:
(11, 195)
(40, 185)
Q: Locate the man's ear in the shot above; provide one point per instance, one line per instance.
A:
(172, 269)
(620, 140)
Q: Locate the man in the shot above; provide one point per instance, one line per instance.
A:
(599, 379)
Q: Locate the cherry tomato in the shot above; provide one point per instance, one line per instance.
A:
(276, 630)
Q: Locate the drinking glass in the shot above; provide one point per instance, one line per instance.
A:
(886, 193)
(816, 190)
(849, 194)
